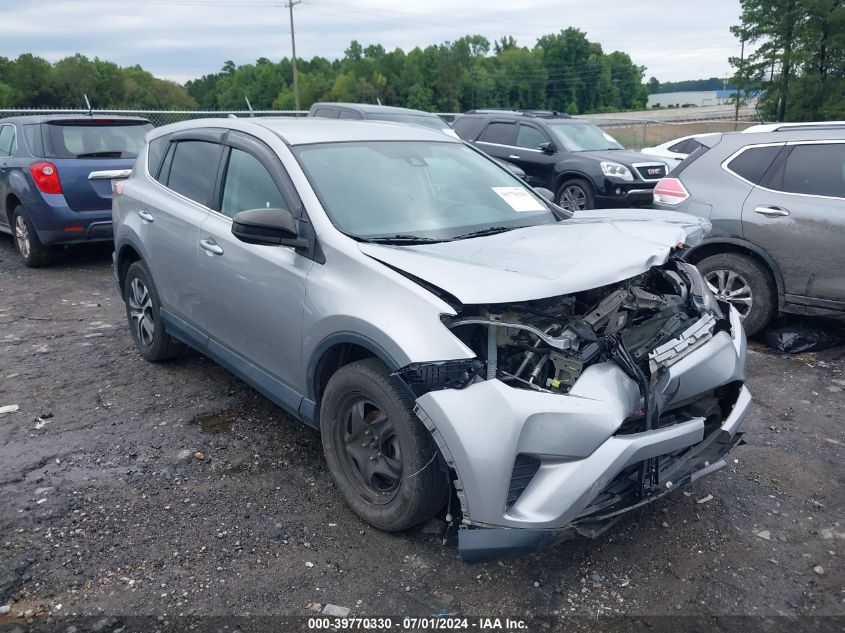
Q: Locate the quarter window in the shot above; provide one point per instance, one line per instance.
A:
(500, 133)
(194, 168)
(817, 170)
(349, 114)
(529, 137)
(7, 140)
(753, 163)
(248, 185)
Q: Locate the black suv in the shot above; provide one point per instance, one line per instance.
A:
(583, 165)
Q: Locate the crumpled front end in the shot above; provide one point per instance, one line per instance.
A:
(579, 408)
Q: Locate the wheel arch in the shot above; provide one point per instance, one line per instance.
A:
(12, 201)
(740, 247)
(127, 254)
(330, 355)
(570, 173)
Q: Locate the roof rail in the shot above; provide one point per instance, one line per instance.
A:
(540, 114)
(787, 127)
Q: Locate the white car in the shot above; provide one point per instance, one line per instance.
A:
(674, 151)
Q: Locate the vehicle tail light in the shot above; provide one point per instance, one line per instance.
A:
(670, 191)
(46, 177)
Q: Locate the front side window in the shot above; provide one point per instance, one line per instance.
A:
(583, 137)
(193, 169)
(530, 137)
(817, 170)
(248, 185)
(326, 113)
(7, 140)
(423, 189)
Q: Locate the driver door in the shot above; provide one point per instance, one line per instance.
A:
(253, 295)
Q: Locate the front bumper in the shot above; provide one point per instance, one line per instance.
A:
(573, 438)
(618, 193)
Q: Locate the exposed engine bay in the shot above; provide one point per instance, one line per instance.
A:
(643, 324)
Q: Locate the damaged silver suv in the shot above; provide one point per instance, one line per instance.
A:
(450, 332)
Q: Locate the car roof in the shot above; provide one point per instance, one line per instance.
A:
(308, 130)
(373, 108)
(787, 127)
(47, 118)
(531, 115)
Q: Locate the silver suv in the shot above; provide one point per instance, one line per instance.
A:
(776, 198)
(451, 333)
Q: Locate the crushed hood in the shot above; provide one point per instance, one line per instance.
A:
(590, 250)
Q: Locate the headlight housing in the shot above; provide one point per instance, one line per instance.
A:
(616, 170)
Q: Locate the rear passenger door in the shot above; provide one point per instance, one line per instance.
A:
(797, 214)
(169, 224)
(253, 295)
(498, 140)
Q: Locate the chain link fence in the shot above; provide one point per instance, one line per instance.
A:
(634, 130)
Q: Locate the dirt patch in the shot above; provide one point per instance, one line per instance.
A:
(103, 516)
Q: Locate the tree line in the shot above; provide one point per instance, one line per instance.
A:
(798, 61)
(563, 71)
(32, 82)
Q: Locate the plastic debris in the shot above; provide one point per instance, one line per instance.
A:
(9, 408)
(336, 611)
(705, 499)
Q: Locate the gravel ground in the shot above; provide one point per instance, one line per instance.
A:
(175, 489)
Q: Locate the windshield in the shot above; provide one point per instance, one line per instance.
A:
(94, 138)
(583, 137)
(417, 189)
(433, 122)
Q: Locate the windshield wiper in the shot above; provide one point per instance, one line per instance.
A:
(401, 239)
(488, 231)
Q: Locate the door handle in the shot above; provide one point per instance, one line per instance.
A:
(145, 215)
(514, 156)
(771, 212)
(211, 247)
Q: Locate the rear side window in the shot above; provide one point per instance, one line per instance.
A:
(32, 134)
(94, 138)
(155, 154)
(467, 127)
(817, 170)
(7, 140)
(501, 133)
(326, 113)
(753, 162)
(248, 185)
(193, 169)
(349, 114)
(685, 147)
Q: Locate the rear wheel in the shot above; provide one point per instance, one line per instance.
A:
(745, 284)
(575, 195)
(381, 457)
(143, 312)
(33, 253)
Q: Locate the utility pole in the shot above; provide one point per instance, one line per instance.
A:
(290, 5)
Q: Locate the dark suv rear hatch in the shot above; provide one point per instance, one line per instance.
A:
(79, 146)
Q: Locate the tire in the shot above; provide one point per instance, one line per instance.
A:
(581, 197)
(143, 313)
(32, 252)
(733, 273)
(387, 497)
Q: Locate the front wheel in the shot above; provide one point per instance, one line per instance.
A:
(575, 195)
(381, 457)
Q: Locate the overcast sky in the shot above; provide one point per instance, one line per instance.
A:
(183, 39)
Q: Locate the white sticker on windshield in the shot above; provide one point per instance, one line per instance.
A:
(519, 199)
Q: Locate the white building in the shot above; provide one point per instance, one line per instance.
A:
(691, 99)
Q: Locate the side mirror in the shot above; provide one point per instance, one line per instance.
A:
(546, 147)
(559, 211)
(276, 227)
